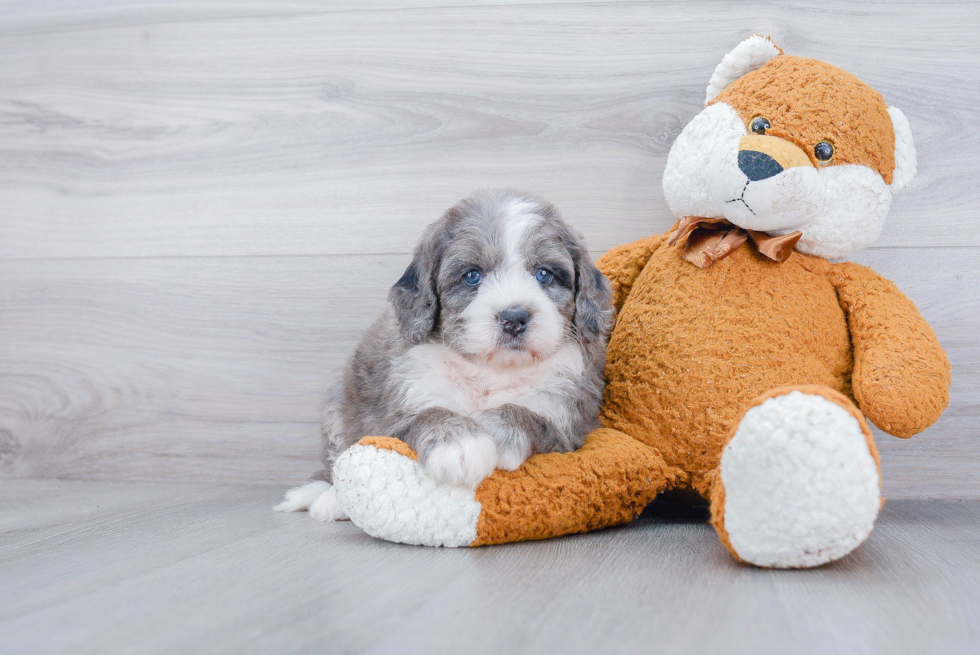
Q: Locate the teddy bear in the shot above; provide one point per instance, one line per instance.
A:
(746, 359)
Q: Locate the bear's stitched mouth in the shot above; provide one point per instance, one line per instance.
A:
(741, 198)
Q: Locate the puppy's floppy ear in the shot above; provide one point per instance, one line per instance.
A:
(593, 295)
(414, 295)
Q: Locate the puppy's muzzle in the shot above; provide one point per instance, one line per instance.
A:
(514, 320)
(761, 157)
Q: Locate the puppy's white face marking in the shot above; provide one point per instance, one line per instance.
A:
(434, 375)
(512, 284)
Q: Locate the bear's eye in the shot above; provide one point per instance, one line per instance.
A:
(823, 151)
(759, 125)
(472, 278)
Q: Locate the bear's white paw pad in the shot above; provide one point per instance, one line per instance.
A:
(300, 498)
(391, 497)
(801, 485)
(327, 508)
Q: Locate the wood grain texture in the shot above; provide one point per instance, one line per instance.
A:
(99, 567)
(211, 369)
(202, 205)
(162, 131)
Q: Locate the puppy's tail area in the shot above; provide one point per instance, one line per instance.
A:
(607, 482)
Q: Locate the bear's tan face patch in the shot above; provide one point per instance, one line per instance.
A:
(807, 102)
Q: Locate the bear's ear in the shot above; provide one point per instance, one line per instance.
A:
(905, 161)
(748, 55)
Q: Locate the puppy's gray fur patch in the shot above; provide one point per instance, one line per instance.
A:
(437, 358)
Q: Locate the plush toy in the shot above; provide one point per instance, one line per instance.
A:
(744, 364)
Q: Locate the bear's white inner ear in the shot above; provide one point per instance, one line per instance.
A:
(906, 164)
(748, 55)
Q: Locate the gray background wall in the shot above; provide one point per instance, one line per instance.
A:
(203, 204)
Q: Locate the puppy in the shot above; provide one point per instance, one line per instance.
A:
(492, 350)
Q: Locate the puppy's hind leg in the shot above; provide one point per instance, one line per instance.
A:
(301, 498)
(327, 507)
(319, 497)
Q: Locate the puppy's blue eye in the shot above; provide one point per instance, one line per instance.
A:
(544, 276)
(472, 278)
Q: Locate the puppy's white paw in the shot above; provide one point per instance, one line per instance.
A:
(327, 507)
(510, 459)
(300, 498)
(513, 445)
(464, 460)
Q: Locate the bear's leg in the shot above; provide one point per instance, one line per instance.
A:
(798, 484)
(606, 482)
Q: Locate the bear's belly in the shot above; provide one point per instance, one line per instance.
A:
(692, 348)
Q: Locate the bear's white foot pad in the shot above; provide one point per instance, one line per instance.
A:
(390, 497)
(801, 485)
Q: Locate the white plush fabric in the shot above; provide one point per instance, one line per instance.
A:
(855, 203)
(717, 129)
(906, 165)
(779, 204)
(389, 496)
(801, 486)
(748, 55)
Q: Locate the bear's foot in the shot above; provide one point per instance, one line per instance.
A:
(385, 492)
(798, 484)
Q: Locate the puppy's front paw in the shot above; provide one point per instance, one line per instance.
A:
(511, 457)
(463, 460)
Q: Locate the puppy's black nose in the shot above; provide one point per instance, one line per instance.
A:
(514, 320)
(758, 165)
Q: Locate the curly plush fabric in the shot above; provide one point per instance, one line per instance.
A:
(606, 482)
(807, 101)
(693, 347)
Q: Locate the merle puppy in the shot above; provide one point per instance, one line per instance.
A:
(492, 350)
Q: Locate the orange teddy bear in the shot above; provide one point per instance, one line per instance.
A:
(743, 363)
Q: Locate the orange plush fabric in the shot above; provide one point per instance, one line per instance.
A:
(693, 347)
(606, 482)
(808, 101)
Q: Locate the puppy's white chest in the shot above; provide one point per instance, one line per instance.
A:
(437, 377)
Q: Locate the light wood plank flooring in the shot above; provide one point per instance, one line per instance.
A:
(103, 567)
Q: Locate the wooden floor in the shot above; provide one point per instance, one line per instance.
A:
(103, 567)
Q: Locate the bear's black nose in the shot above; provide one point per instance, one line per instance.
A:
(514, 320)
(758, 165)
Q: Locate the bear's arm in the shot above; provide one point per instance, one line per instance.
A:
(623, 264)
(901, 373)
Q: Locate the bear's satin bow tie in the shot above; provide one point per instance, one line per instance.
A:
(712, 239)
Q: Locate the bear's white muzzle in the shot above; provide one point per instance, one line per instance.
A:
(765, 183)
